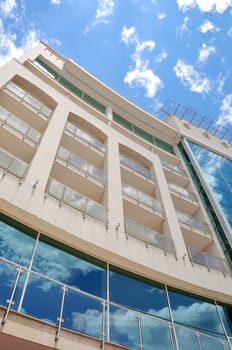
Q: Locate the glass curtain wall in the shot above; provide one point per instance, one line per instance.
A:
(71, 287)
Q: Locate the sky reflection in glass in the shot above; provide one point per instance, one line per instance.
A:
(138, 295)
(155, 334)
(68, 268)
(217, 171)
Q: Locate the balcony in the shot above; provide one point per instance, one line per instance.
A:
(149, 236)
(195, 232)
(183, 199)
(29, 100)
(174, 173)
(12, 165)
(136, 167)
(210, 261)
(77, 201)
(72, 160)
(11, 122)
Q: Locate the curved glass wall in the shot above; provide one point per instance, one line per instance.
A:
(45, 279)
(217, 172)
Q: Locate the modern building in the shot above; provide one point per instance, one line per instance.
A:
(116, 227)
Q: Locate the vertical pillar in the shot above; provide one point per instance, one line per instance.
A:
(171, 225)
(42, 162)
(114, 188)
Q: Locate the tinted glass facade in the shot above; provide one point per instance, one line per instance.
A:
(59, 285)
(217, 172)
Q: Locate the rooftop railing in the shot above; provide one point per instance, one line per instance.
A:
(27, 132)
(142, 198)
(193, 222)
(136, 167)
(182, 192)
(82, 135)
(25, 97)
(12, 165)
(173, 167)
(210, 261)
(149, 236)
(73, 160)
(77, 200)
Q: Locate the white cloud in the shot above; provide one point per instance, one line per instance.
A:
(141, 75)
(7, 7)
(225, 116)
(104, 10)
(161, 57)
(190, 77)
(183, 28)
(220, 82)
(56, 2)
(161, 15)
(229, 33)
(205, 5)
(8, 47)
(205, 52)
(208, 26)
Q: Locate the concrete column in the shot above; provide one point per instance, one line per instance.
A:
(43, 160)
(171, 226)
(114, 188)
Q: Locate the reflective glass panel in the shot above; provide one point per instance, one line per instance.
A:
(124, 327)
(16, 241)
(210, 343)
(155, 334)
(42, 299)
(70, 267)
(138, 294)
(195, 312)
(186, 339)
(82, 313)
(226, 315)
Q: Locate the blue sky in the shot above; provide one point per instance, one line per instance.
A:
(147, 50)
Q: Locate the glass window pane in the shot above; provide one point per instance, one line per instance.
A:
(186, 339)
(226, 315)
(82, 313)
(209, 343)
(155, 334)
(42, 299)
(195, 312)
(68, 266)
(124, 327)
(137, 294)
(16, 241)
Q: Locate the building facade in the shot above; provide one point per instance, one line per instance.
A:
(115, 226)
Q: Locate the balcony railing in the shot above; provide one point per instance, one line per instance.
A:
(149, 236)
(12, 165)
(173, 167)
(142, 198)
(182, 191)
(136, 167)
(212, 262)
(193, 223)
(76, 200)
(73, 160)
(80, 134)
(6, 118)
(25, 97)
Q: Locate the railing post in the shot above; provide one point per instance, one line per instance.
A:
(60, 319)
(11, 300)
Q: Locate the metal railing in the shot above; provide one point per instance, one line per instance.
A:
(212, 262)
(73, 160)
(182, 192)
(82, 135)
(142, 198)
(12, 165)
(149, 236)
(193, 222)
(30, 100)
(27, 132)
(76, 200)
(136, 167)
(173, 167)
